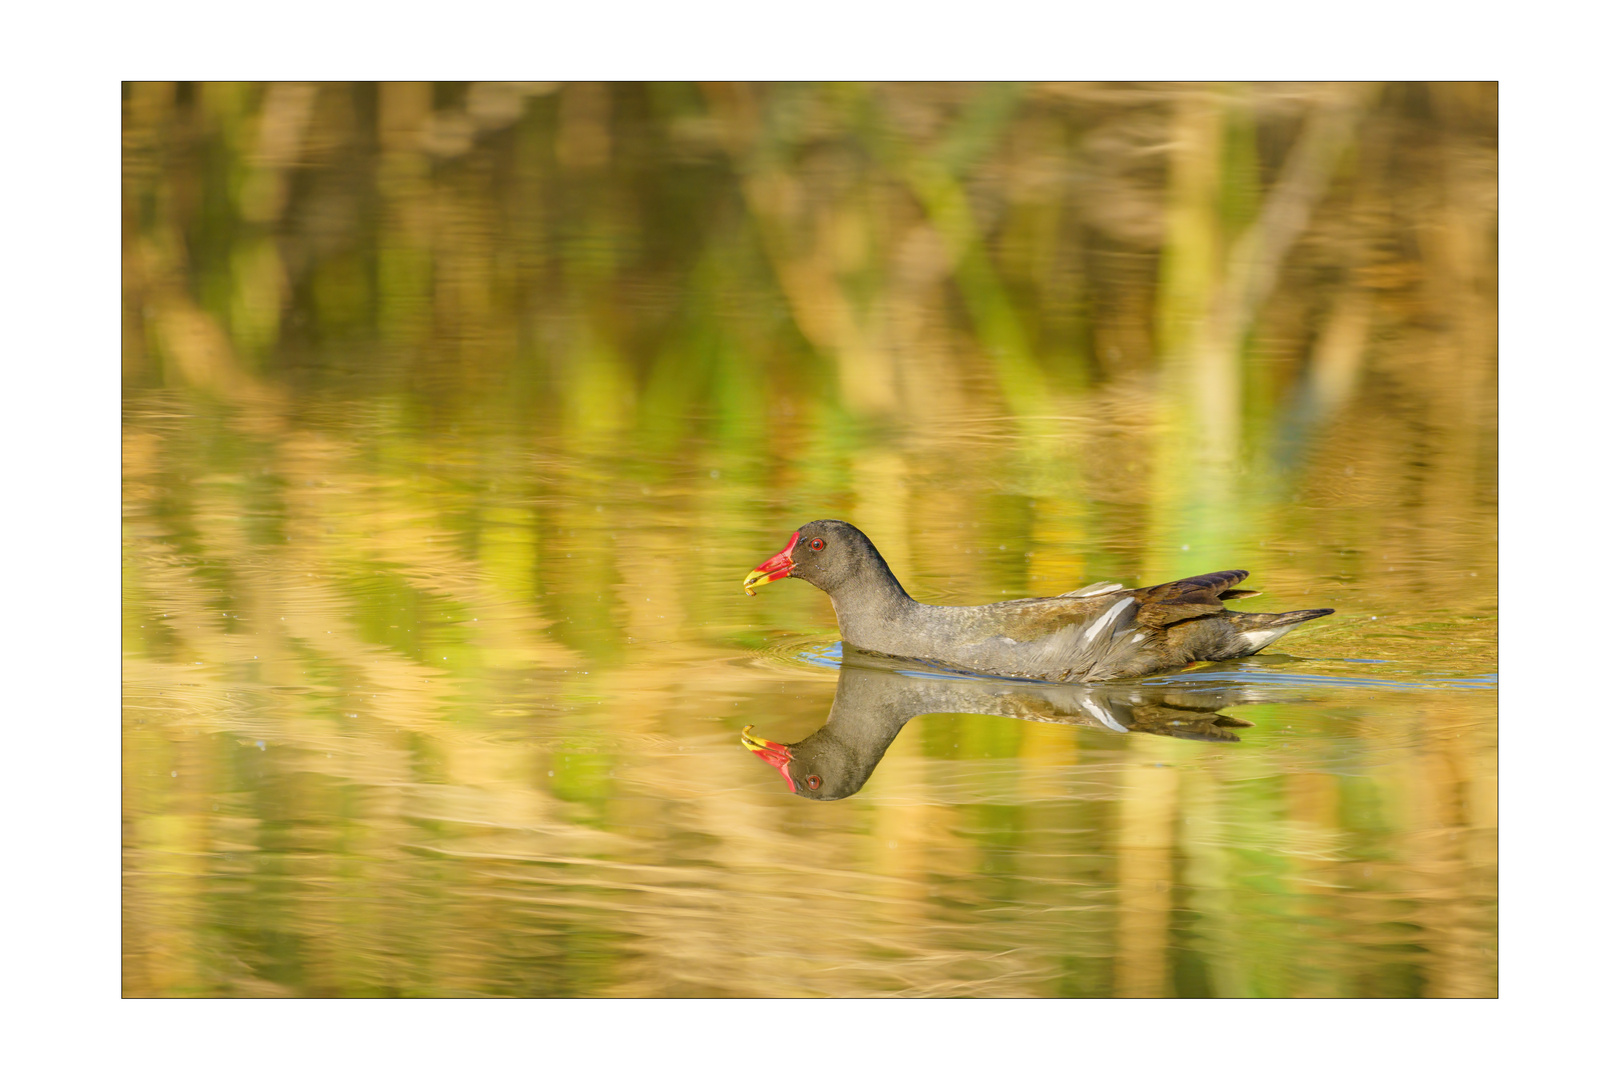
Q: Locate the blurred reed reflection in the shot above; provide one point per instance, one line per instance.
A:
(452, 410)
(598, 256)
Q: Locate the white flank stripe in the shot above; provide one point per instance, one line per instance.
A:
(1107, 617)
(1261, 638)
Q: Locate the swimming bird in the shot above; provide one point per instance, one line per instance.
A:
(1102, 631)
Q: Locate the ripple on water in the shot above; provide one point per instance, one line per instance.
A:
(1289, 672)
(1278, 671)
(798, 652)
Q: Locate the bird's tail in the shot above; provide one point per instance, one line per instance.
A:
(1260, 629)
(1286, 618)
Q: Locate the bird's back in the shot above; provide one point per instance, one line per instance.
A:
(1098, 632)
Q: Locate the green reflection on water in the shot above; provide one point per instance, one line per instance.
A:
(455, 416)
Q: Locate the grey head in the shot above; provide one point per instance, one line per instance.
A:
(836, 558)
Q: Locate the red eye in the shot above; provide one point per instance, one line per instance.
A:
(812, 781)
(816, 545)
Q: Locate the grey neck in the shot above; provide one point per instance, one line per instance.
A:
(871, 607)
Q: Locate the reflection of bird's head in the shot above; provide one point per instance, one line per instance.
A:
(819, 767)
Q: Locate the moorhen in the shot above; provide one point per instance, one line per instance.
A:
(1102, 631)
(874, 701)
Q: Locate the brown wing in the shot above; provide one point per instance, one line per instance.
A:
(1188, 598)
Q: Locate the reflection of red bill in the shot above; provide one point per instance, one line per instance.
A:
(777, 566)
(773, 753)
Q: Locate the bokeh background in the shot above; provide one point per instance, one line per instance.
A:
(455, 413)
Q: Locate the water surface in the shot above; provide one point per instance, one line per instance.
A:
(446, 449)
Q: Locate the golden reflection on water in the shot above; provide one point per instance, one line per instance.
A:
(454, 415)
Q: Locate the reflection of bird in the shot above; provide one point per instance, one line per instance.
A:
(1099, 632)
(872, 704)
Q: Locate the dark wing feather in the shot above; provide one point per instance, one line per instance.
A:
(1175, 601)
